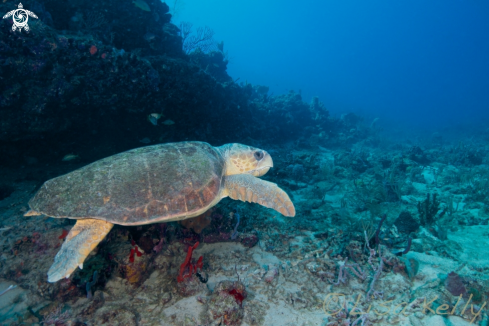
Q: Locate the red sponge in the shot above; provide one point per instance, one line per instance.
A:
(191, 268)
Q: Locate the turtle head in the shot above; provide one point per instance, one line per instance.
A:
(242, 159)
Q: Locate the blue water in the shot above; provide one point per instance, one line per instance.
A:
(113, 133)
(415, 63)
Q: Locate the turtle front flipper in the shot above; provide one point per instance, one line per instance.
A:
(82, 239)
(246, 187)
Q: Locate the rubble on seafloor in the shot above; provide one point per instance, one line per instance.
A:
(403, 243)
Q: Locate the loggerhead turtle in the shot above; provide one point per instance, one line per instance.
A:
(160, 183)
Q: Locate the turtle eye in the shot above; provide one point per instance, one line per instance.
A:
(258, 155)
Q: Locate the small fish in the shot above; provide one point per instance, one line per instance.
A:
(142, 5)
(168, 122)
(145, 140)
(153, 118)
(69, 157)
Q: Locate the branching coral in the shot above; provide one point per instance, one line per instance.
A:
(202, 40)
(428, 210)
(343, 275)
(187, 264)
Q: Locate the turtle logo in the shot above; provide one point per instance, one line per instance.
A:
(20, 18)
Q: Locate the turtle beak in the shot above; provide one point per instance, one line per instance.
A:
(263, 166)
(260, 172)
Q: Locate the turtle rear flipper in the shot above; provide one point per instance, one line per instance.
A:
(246, 187)
(82, 239)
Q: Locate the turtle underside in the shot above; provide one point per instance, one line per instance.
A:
(165, 182)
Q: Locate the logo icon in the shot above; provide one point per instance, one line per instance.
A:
(20, 18)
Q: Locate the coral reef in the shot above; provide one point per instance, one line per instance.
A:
(395, 226)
